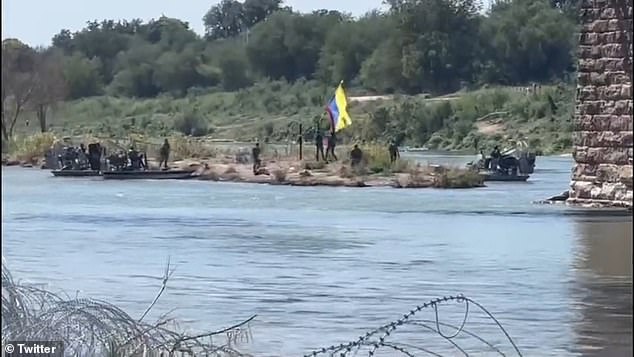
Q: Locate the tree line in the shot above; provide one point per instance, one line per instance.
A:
(432, 46)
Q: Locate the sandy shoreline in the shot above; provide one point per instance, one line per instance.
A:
(306, 173)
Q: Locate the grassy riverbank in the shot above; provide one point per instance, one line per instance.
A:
(270, 111)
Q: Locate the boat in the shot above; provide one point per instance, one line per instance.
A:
(514, 165)
(75, 173)
(496, 176)
(70, 161)
(148, 175)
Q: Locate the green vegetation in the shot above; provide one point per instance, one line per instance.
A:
(269, 110)
(251, 78)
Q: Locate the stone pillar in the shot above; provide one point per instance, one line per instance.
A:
(602, 138)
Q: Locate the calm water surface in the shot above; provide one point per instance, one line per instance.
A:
(320, 266)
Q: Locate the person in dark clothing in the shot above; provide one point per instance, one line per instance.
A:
(393, 149)
(255, 155)
(330, 150)
(319, 146)
(496, 153)
(82, 148)
(165, 153)
(94, 156)
(356, 155)
(135, 159)
(495, 158)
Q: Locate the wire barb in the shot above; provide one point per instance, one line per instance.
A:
(370, 341)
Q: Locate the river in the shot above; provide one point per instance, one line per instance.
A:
(322, 265)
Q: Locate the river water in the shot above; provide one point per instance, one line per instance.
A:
(320, 266)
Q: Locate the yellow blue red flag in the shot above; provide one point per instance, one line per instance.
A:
(338, 110)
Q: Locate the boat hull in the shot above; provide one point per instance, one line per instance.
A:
(75, 173)
(148, 175)
(503, 178)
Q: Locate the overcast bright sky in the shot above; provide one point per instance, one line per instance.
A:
(36, 21)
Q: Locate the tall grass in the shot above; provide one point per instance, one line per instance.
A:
(31, 148)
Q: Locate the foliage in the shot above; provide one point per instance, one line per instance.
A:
(190, 122)
(434, 46)
(313, 165)
(185, 148)
(271, 62)
(32, 147)
(458, 178)
(482, 118)
(279, 174)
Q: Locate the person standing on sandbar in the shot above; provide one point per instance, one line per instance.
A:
(332, 143)
(319, 146)
(164, 153)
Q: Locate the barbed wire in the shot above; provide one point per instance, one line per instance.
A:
(370, 340)
(90, 327)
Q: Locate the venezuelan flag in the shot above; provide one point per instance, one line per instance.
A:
(338, 110)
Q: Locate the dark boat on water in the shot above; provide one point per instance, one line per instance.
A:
(148, 175)
(76, 162)
(511, 166)
(134, 166)
(76, 173)
(502, 177)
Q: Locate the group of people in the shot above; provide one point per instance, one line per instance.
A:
(507, 164)
(73, 158)
(356, 154)
(491, 162)
(78, 158)
(330, 148)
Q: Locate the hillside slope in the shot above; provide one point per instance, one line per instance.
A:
(270, 111)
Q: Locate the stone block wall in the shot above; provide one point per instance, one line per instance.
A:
(602, 138)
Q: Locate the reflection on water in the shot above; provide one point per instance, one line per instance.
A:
(604, 287)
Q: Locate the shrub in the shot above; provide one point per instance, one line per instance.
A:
(376, 158)
(31, 148)
(191, 123)
(458, 178)
(280, 175)
(313, 165)
(346, 172)
(186, 148)
(400, 166)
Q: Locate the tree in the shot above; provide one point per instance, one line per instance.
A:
(177, 71)
(18, 82)
(64, 41)
(439, 40)
(288, 45)
(224, 20)
(255, 11)
(82, 76)
(381, 71)
(135, 71)
(50, 85)
(348, 44)
(172, 34)
(529, 40)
